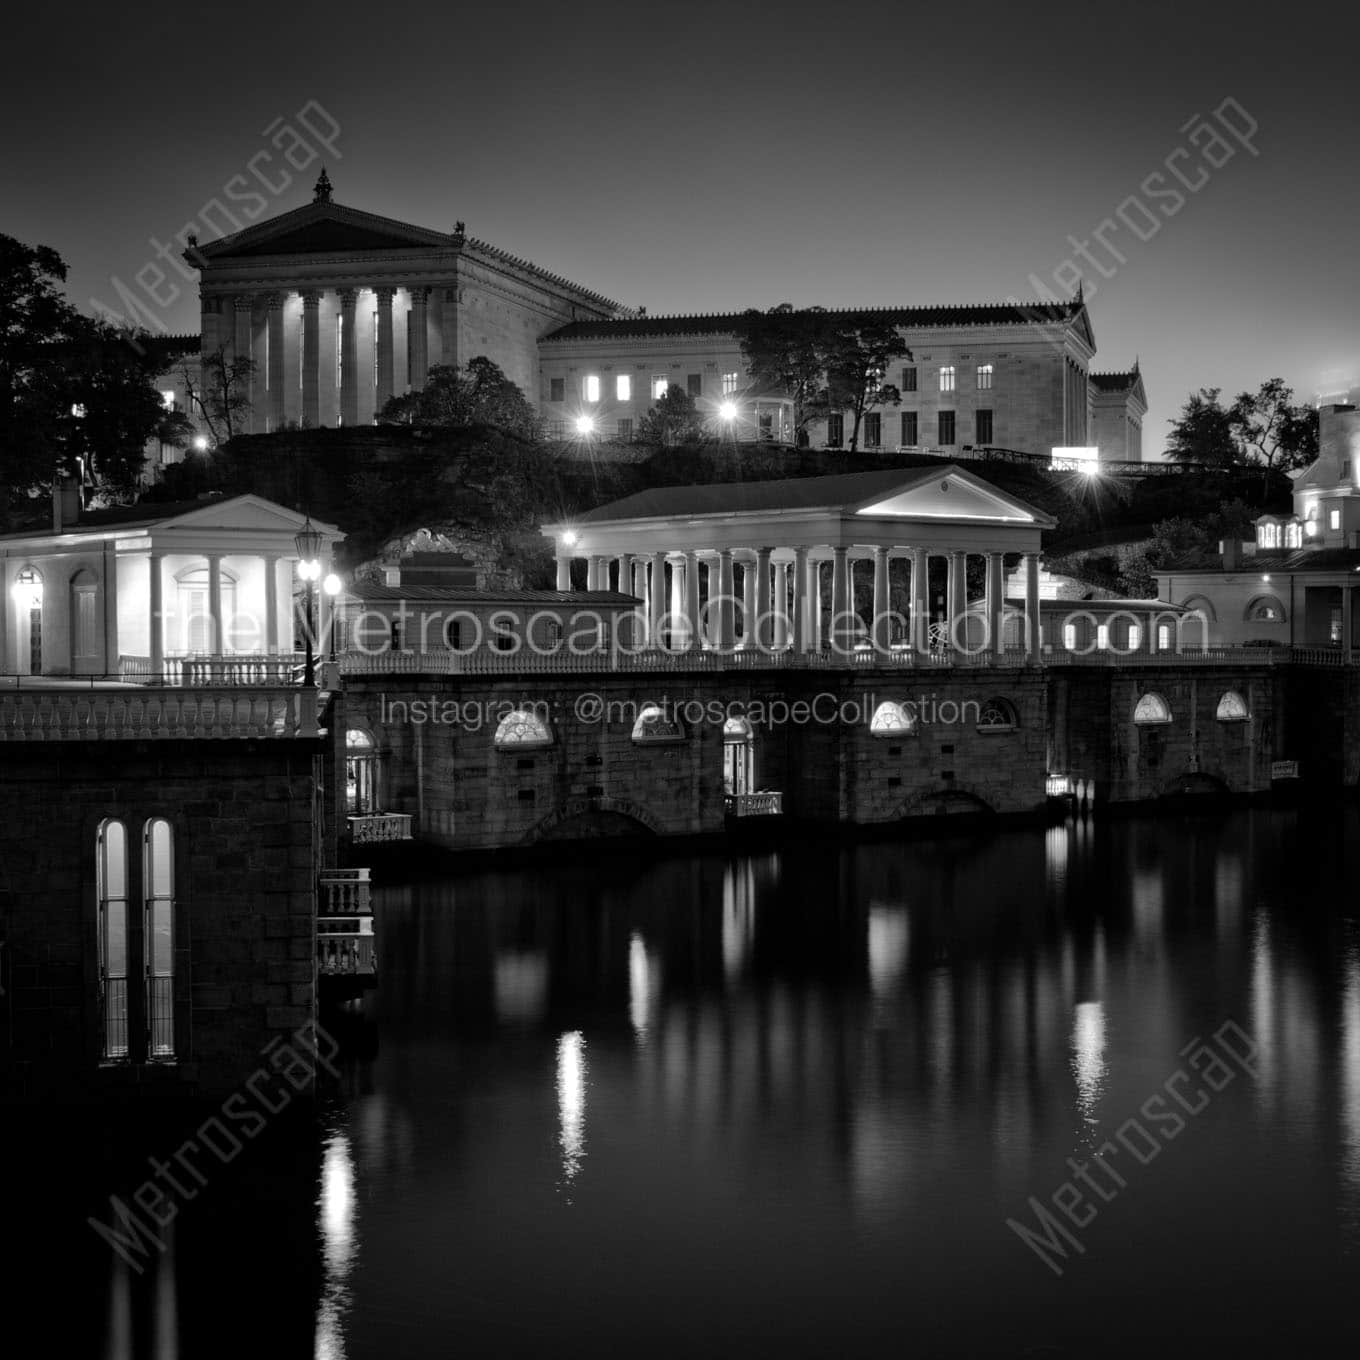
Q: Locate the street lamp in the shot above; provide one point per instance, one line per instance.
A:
(585, 426)
(308, 544)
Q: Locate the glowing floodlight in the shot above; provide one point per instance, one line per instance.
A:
(200, 442)
(728, 411)
(1076, 459)
(27, 589)
(569, 539)
(332, 584)
(585, 424)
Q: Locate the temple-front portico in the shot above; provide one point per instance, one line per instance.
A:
(800, 565)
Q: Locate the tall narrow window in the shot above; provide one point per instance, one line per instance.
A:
(946, 428)
(835, 431)
(984, 377)
(873, 430)
(984, 427)
(660, 386)
(113, 942)
(84, 617)
(730, 382)
(159, 937)
(557, 389)
(694, 384)
(623, 387)
(947, 378)
(910, 429)
(909, 380)
(591, 390)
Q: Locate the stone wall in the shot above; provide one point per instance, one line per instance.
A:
(244, 911)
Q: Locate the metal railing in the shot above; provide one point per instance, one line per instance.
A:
(150, 714)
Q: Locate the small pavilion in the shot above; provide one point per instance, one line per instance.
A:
(783, 537)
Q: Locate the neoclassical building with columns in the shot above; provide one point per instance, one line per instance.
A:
(341, 309)
(744, 566)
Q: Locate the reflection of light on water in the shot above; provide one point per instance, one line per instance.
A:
(1149, 903)
(1228, 897)
(1055, 856)
(521, 984)
(571, 1102)
(738, 917)
(889, 936)
(118, 1334)
(642, 986)
(1263, 1006)
(337, 1244)
(1088, 1056)
(166, 1344)
(1350, 1095)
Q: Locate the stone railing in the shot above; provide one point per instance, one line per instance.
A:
(1199, 656)
(344, 892)
(377, 827)
(155, 714)
(240, 668)
(763, 804)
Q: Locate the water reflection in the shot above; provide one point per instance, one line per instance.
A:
(1088, 1056)
(571, 1104)
(338, 1245)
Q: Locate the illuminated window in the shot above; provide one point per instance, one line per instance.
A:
(997, 715)
(1135, 638)
(1102, 636)
(592, 387)
(623, 387)
(909, 380)
(168, 400)
(910, 429)
(1070, 636)
(984, 377)
(983, 434)
(892, 720)
(557, 389)
(1232, 707)
(660, 386)
(1334, 520)
(112, 889)
(1151, 708)
(947, 378)
(729, 384)
(361, 766)
(1293, 534)
(1268, 534)
(1163, 636)
(522, 730)
(945, 428)
(654, 725)
(158, 875)
(1265, 609)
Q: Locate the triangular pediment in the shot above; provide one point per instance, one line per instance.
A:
(952, 493)
(324, 229)
(251, 513)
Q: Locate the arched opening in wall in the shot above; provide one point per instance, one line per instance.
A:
(27, 592)
(1265, 609)
(361, 773)
(1232, 708)
(1151, 709)
(194, 633)
(111, 891)
(593, 823)
(84, 616)
(891, 720)
(739, 758)
(522, 730)
(654, 724)
(997, 715)
(1195, 784)
(945, 803)
(158, 879)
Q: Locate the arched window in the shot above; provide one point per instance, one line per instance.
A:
(159, 880)
(739, 757)
(1152, 708)
(112, 889)
(892, 720)
(194, 610)
(1293, 534)
(361, 773)
(1265, 609)
(1232, 707)
(1267, 534)
(522, 730)
(997, 715)
(1200, 604)
(655, 725)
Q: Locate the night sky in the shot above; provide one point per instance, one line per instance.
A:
(698, 157)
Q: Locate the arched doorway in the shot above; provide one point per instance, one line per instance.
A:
(28, 602)
(86, 649)
(739, 758)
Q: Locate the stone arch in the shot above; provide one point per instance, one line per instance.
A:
(592, 818)
(1151, 709)
(1201, 604)
(1195, 784)
(944, 799)
(1265, 608)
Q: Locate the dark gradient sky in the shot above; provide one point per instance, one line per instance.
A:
(717, 157)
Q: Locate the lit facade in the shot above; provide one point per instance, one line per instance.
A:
(1118, 405)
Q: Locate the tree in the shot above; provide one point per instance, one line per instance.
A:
(858, 355)
(1203, 432)
(788, 350)
(477, 394)
(221, 396)
(1271, 430)
(672, 420)
(77, 396)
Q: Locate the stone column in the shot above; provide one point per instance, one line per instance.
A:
(563, 572)
(780, 632)
(995, 604)
(956, 598)
(420, 339)
(815, 602)
(155, 615)
(1347, 625)
(656, 599)
(764, 629)
(801, 640)
(696, 638)
(625, 561)
(244, 306)
(349, 357)
(920, 602)
(748, 603)
(275, 345)
(1032, 615)
(842, 635)
(881, 632)
(726, 601)
(592, 572)
(216, 642)
(679, 630)
(271, 605)
(383, 342)
(311, 359)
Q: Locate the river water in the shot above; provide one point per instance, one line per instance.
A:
(785, 1104)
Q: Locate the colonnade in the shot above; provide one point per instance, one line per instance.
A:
(780, 603)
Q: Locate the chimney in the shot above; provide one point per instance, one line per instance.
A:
(65, 503)
(1231, 550)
